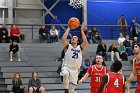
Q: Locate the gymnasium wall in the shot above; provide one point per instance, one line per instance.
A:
(63, 11)
(107, 12)
(99, 12)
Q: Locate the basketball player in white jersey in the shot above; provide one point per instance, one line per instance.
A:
(72, 59)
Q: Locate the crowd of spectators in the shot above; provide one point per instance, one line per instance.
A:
(6, 37)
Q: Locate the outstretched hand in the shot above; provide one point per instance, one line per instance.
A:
(80, 81)
(127, 86)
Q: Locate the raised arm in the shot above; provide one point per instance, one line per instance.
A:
(132, 75)
(104, 82)
(64, 38)
(85, 42)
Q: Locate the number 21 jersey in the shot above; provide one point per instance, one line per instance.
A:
(73, 57)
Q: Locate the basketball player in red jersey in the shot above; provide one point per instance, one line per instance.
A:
(136, 67)
(96, 71)
(114, 81)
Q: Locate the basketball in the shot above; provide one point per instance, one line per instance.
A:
(73, 23)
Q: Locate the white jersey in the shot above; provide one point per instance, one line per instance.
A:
(73, 57)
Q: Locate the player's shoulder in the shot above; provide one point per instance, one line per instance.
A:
(91, 67)
(134, 59)
(105, 67)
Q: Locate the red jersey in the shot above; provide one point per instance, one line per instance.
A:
(96, 75)
(115, 83)
(14, 31)
(137, 68)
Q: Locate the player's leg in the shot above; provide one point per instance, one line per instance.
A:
(112, 55)
(72, 88)
(65, 74)
(73, 80)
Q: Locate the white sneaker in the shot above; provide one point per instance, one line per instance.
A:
(120, 59)
(112, 60)
(19, 59)
(11, 59)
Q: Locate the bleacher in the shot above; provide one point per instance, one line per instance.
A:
(42, 58)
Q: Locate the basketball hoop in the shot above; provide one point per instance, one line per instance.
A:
(76, 3)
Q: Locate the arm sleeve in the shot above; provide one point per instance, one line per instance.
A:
(124, 49)
(20, 82)
(13, 82)
(11, 32)
(109, 49)
(107, 70)
(17, 48)
(89, 70)
(10, 48)
(18, 31)
(6, 32)
(105, 48)
(40, 31)
(84, 65)
(30, 83)
(51, 32)
(39, 83)
(98, 49)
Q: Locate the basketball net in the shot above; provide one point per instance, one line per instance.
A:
(76, 3)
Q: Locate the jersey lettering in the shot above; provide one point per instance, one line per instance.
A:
(98, 79)
(116, 83)
(75, 55)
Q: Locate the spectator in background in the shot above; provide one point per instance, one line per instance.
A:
(87, 34)
(121, 48)
(4, 34)
(95, 35)
(14, 51)
(121, 38)
(85, 66)
(113, 51)
(53, 34)
(62, 55)
(122, 23)
(102, 49)
(128, 46)
(17, 84)
(135, 41)
(34, 84)
(135, 27)
(43, 34)
(15, 33)
(55, 20)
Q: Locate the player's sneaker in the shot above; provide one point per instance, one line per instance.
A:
(11, 59)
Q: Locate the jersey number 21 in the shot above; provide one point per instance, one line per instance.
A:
(75, 55)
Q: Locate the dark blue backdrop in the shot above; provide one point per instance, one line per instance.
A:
(108, 13)
(99, 12)
(64, 13)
